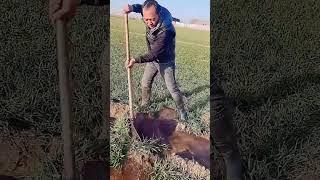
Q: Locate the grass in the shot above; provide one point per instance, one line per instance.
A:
(267, 55)
(120, 143)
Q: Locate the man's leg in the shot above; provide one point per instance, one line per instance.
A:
(150, 71)
(167, 71)
(224, 135)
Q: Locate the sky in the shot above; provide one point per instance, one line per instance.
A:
(185, 10)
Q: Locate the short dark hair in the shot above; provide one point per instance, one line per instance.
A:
(149, 3)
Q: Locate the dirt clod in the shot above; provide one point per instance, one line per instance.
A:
(118, 110)
(131, 170)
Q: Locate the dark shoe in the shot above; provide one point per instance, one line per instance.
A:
(183, 115)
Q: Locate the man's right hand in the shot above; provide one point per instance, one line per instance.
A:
(127, 8)
(62, 9)
(130, 63)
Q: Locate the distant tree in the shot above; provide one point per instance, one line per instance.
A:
(194, 21)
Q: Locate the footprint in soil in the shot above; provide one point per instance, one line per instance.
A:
(161, 125)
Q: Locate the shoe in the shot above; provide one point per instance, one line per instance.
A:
(183, 115)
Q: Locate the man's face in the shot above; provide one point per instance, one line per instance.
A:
(150, 16)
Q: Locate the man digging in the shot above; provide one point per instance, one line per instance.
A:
(160, 36)
(161, 59)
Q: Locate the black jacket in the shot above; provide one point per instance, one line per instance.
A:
(160, 40)
(95, 2)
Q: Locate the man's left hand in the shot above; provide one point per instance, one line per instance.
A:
(62, 9)
(130, 63)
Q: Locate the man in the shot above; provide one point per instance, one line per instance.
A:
(160, 36)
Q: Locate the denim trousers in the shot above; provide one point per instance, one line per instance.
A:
(167, 72)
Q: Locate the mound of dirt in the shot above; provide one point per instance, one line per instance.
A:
(162, 127)
(191, 166)
(135, 167)
(118, 110)
(190, 151)
(190, 147)
(21, 155)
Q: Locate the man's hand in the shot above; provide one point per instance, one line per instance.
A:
(130, 63)
(127, 8)
(62, 9)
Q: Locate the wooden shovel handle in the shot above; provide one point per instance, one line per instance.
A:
(128, 69)
(133, 129)
(65, 101)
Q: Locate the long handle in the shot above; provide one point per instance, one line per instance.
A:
(65, 101)
(128, 69)
(133, 129)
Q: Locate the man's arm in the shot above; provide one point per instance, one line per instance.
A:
(158, 48)
(137, 8)
(94, 2)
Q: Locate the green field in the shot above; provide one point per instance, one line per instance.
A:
(29, 103)
(192, 60)
(267, 54)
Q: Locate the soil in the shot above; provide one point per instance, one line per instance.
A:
(22, 154)
(118, 110)
(190, 151)
(191, 166)
(190, 147)
(162, 126)
(135, 167)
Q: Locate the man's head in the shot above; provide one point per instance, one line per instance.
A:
(150, 13)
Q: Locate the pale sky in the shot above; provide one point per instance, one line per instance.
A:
(185, 10)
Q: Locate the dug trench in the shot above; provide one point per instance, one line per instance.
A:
(161, 125)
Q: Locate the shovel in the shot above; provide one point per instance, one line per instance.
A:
(65, 101)
(133, 129)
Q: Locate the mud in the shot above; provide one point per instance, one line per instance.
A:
(161, 126)
(190, 147)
